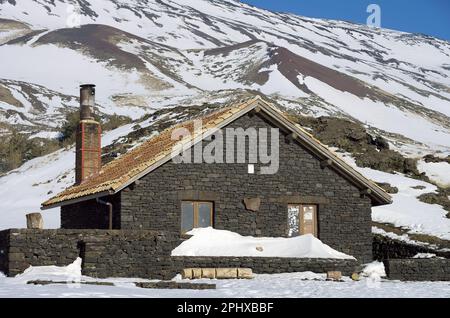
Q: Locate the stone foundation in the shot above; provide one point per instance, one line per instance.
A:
(268, 265)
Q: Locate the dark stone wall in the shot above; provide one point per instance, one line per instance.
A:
(344, 218)
(386, 248)
(130, 253)
(420, 269)
(268, 265)
(104, 252)
(4, 251)
(41, 248)
(91, 214)
(133, 253)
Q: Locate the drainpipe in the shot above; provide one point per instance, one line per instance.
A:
(110, 208)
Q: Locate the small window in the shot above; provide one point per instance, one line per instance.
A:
(196, 214)
(302, 219)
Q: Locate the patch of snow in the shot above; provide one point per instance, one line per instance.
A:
(71, 272)
(279, 84)
(212, 242)
(424, 255)
(438, 172)
(46, 135)
(374, 270)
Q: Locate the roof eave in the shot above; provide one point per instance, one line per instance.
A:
(77, 200)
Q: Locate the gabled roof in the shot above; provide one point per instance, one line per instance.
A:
(123, 171)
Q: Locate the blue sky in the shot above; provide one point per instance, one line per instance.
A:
(430, 17)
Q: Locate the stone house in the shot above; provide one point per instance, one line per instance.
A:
(312, 190)
(125, 218)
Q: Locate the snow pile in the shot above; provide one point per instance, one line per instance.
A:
(374, 271)
(212, 242)
(311, 276)
(71, 272)
(424, 255)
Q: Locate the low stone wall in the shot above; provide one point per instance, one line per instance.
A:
(387, 248)
(133, 253)
(268, 265)
(120, 253)
(130, 254)
(418, 269)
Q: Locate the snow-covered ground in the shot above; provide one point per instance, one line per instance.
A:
(305, 284)
(264, 285)
(212, 242)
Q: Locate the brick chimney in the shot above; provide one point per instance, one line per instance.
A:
(88, 138)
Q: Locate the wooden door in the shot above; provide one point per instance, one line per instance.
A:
(308, 220)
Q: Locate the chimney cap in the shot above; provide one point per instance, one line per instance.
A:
(87, 85)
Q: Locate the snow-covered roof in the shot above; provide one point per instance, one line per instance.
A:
(123, 171)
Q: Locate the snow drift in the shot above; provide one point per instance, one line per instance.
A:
(374, 271)
(212, 242)
(71, 272)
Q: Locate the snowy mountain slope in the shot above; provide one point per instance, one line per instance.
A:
(31, 107)
(10, 29)
(407, 211)
(148, 52)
